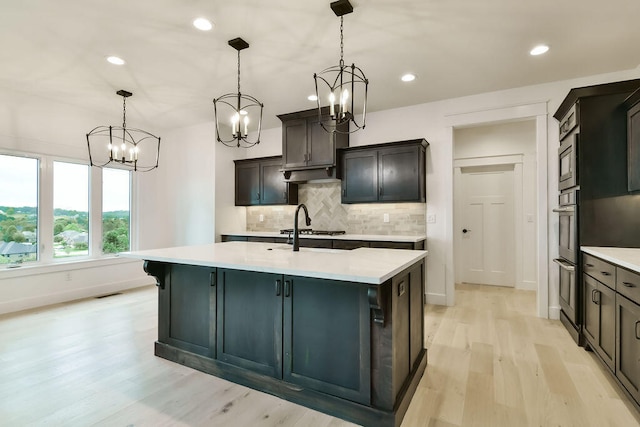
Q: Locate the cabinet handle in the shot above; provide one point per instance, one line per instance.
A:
(380, 190)
(258, 195)
(284, 195)
(598, 297)
(637, 322)
(212, 278)
(589, 265)
(344, 192)
(287, 288)
(278, 288)
(628, 285)
(605, 273)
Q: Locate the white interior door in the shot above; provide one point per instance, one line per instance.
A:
(487, 225)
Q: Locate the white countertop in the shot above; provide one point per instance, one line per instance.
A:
(364, 237)
(624, 257)
(363, 265)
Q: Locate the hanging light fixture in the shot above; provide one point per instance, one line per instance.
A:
(127, 148)
(243, 112)
(339, 86)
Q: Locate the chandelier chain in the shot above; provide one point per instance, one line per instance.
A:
(124, 112)
(238, 71)
(341, 42)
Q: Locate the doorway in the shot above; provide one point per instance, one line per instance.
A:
(485, 226)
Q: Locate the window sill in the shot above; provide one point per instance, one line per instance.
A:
(56, 267)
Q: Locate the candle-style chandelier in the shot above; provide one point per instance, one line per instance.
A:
(126, 148)
(339, 86)
(244, 112)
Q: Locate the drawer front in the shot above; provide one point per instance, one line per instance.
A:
(599, 270)
(628, 284)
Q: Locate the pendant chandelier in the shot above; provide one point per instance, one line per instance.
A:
(238, 114)
(126, 148)
(339, 86)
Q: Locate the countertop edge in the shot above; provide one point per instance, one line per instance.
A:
(364, 237)
(628, 258)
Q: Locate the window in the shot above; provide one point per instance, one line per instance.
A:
(18, 209)
(116, 210)
(70, 210)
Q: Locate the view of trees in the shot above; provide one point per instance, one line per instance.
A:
(19, 224)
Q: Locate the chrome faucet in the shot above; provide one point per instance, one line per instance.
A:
(296, 239)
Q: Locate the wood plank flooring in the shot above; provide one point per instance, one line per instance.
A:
(491, 363)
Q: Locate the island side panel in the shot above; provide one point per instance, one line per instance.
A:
(394, 372)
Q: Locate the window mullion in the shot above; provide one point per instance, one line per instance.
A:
(45, 211)
(95, 213)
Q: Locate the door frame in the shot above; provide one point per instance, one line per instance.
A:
(516, 160)
(535, 111)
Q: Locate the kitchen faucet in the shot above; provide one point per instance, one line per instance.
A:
(296, 239)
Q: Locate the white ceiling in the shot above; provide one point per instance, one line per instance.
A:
(57, 49)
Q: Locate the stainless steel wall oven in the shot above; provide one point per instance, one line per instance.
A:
(569, 252)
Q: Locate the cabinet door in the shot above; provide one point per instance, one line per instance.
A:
(327, 337)
(628, 345)
(591, 310)
(247, 184)
(360, 180)
(607, 334)
(321, 144)
(294, 143)
(274, 190)
(399, 174)
(633, 147)
(250, 320)
(416, 313)
(187, 309)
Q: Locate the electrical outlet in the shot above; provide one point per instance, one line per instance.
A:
(67, 276)
(385, 217)
(261, 218)
(431, 218)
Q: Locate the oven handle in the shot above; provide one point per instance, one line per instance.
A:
(571, 208)
(564, 264)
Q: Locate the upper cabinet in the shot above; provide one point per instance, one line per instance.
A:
(306, 145)
(393, 172)
(260, 182)
(633, 141)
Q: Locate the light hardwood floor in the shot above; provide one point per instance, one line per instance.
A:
(491, 363)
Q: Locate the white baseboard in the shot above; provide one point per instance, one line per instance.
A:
(72, 295)
(554, 312)
(528, 285)
(436, 299)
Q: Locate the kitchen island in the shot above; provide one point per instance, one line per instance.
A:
(338, 331)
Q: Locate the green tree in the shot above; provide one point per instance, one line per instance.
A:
(19, 238)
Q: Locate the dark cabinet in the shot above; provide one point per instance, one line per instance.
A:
(393, 172)
(628, 345)
(600, 319)
(250, 320)
(327, 345)
(633, 142)
(306, 145)
(282, 326)
(260, 182)
(187, 302)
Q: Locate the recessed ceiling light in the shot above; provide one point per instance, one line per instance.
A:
(312, 98)
(539, 50)
(202, 24)
(408, 77)
(115, 60)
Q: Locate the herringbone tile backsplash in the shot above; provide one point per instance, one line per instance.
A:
(327, 213)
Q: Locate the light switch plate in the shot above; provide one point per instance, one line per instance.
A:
(261, 218)
(385, 217)
(431, 218)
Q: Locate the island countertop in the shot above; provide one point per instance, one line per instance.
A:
(363, 265)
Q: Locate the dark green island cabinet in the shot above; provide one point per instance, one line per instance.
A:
(349, 348)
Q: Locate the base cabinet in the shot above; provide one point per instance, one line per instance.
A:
(186, 306)
(249, 320)
(628, 345)
(600, 319)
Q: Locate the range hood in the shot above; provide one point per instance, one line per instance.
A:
(309, 152)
